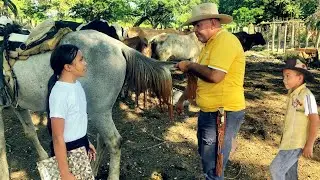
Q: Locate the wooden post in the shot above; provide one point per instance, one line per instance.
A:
(268, 38)
(273, 35)
(314, 37)
(318, 39)
(307, 36)
(285, 36)
(279, 37)
(292, 36)
(299, 36)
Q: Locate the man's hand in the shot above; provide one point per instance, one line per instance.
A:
(183, 65)
(179, 107)
(307, 151)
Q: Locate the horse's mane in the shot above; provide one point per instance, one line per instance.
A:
(148, 76)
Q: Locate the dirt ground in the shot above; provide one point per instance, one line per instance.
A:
(156, 148)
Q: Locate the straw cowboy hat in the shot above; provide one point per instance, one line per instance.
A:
(207, 11)
(297, 65)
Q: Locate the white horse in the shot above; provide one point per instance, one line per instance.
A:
(110, 65)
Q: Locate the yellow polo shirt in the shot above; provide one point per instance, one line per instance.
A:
(296, 123)
(223, 52)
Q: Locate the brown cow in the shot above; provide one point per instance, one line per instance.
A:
(139, 38)
(139, 45)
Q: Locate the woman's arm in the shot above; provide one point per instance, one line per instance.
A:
(59, 147)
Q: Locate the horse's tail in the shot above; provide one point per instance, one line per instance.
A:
(148, 75)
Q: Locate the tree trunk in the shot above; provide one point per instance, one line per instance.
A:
(5, 8)
(140, 21)
(150, 14)
(154, 26)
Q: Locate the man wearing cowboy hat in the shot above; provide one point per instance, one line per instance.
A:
(301, 122)
(220, 71)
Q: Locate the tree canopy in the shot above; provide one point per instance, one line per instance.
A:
(156, 13)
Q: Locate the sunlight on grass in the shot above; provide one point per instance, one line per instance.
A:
(131, 115)
(156, 176)
(183, 132)
(18, 174)
(39, 119)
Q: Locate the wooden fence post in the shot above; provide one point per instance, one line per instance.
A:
(273, 35)
(285, 36)
(292, 36)
(299, 36)
(307, 36)
(318, 40)
(279, 37)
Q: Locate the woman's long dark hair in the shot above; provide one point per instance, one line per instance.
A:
(61, 55)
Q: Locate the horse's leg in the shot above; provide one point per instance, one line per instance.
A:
(30, 131)
(112, 138)
(4, 172)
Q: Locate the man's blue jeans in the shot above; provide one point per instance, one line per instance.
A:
(207, 139)
(285, 165)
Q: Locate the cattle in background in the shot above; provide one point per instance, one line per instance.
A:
(310, 55)
(119, 30)
(170, 44)
(176, 47)
(249, 40)
(187, 47)
(138, 44)
(139, 38)
(98, 25)
(146, 34)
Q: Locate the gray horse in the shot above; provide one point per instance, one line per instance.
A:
(110, 65)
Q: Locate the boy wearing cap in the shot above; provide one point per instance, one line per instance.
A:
(219, 87)
(300, 124)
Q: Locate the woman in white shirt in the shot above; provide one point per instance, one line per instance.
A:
(67, 106)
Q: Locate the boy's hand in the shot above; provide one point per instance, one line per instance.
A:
(307, 151)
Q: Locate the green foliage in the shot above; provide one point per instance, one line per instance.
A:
(36, 12)
(161, 13)
(244, 16)
(111, 10)
(308, 7)
(289, 55)
(155, 12)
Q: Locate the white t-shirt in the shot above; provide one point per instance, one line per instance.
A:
(68, 101)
